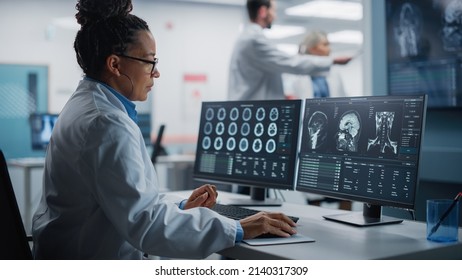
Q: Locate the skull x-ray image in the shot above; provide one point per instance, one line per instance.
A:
(407, 30)
(384, 124)
(452, 28)
(317, 130)
(349, 131)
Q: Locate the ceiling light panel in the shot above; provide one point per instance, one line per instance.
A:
(328, 9)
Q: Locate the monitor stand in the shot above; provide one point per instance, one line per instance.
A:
(371, 216)
(258, 197)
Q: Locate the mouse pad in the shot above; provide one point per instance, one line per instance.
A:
(296, 238)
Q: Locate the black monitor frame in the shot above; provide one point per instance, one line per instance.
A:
(232, 166)
(405, 157)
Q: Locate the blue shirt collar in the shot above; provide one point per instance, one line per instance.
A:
(129, 106)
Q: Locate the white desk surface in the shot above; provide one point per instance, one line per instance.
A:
(40, 161)
(29, 162)
(188, 159)
(340, 241)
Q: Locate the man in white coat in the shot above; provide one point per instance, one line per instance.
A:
(257, 65)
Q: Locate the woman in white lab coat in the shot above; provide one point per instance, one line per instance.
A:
(100, 198)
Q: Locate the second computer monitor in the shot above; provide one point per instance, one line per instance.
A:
(363, 149)
(252, 143)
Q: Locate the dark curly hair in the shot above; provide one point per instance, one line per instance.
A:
(107, 27)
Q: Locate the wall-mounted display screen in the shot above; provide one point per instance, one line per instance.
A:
(424, 50)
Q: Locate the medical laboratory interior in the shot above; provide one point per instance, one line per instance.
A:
(231, 129)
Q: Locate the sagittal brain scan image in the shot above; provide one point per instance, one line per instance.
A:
(384, 124)
(317, 130)
(452, 26)
(407, 30)
(349, 132)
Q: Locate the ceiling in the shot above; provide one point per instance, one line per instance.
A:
(308, 23)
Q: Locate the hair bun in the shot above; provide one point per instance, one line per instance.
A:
(96, 10)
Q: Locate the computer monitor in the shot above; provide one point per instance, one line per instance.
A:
(41, 125)
(363, 149)
(250, 143)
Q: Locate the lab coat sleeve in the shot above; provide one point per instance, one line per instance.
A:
(127, 191)
(266, 56)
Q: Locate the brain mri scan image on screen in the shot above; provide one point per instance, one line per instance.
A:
(407, 30)
(317, 130)
(452, 28)
(384, 125)
(349, 131)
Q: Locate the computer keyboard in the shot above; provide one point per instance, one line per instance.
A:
(238, 212)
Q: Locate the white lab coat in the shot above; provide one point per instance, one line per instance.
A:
(257, 65)
(301, 86)
(100, 192)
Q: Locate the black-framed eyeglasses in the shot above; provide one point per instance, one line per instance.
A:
(153, 62)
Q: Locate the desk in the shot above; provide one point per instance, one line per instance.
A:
(175, 171)
(27, 165)
(338, 241)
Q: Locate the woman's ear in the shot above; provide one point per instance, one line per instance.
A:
(113, 64)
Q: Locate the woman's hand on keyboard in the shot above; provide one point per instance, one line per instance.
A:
(267, 222)
(203, 196)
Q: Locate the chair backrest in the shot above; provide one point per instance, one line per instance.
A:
(14, 244)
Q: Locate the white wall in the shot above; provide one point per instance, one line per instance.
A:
(24, 40)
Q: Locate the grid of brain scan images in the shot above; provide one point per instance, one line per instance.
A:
(249, 140)
(368, 146)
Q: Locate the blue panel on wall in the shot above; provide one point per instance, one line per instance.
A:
(23, 90)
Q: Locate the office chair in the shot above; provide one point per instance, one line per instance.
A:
(14, 243)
